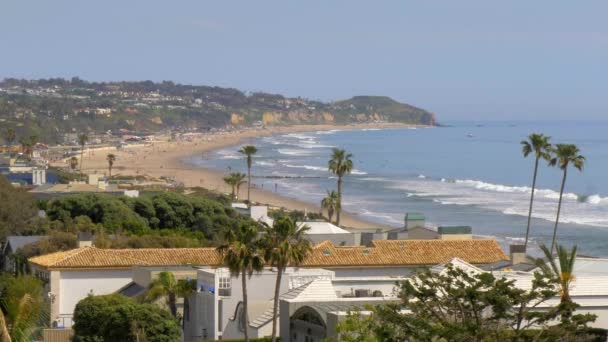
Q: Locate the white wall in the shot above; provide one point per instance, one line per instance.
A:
(76, 285)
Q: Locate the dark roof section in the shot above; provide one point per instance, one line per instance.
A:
(454, 230)
(16, 242)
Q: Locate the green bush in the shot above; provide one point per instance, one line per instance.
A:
(117, 318)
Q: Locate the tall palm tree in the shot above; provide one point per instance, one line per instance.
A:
(166, 286)
(242, 255)
(22, 308)
(82, 141)
(340, 164)
(235, 180)
(73, 162)
(329, 203)
(541, 147)
(249, 151)
(111, 158)
(562, 273)
(284, 245)
(10, 136)
(563, 156)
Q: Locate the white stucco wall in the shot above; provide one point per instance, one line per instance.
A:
(372, 272)
(76, 285)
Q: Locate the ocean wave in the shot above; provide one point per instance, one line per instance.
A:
(371, 129)
(358, 172)
(546, 193)
(264, 163)
(332, 131)
(229, 154)
(307, 167)
(293, 152)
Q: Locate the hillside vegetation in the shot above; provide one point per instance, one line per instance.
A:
(49, 108)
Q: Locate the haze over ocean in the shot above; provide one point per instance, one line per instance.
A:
(472, 173)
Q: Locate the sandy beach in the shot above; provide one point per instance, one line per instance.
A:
(164, 158)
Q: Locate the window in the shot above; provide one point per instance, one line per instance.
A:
(225, 283)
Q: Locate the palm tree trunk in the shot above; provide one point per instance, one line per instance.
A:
(275, 307)
(173, 304)
(110, 169)
(245, 310)
(339, 206)
(4, 335)
(559, 208)
(249, 186)
(531, 203)
(81, 159)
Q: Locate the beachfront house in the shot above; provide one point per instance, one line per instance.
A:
(13, 243)
(341, 276)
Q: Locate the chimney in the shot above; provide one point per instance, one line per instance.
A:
(518, 254)
(85, 239)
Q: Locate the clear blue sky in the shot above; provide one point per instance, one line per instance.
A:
(461, 59)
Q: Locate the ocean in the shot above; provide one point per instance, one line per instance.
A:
(470, 173)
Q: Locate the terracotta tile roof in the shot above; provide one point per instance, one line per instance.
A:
(324, 254)
(406, 252)
(91, 257)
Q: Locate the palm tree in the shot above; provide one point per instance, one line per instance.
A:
(82, 141)
(539, 145)
(284, 245)
(562, 274)
(73, 163)
(111, 158)
(249, 151)
(242, 255)
(340, 164)
(22, 308)
(235, 180)
(26, 146)
(563, 156)
(329, 203)
(166, 286)
(10, 136)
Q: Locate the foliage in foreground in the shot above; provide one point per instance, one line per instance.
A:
(457, 306)
(22, 307)
(117, 318)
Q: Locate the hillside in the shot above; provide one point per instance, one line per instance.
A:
(49, 108)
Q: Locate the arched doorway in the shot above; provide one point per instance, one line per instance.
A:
(307, 325)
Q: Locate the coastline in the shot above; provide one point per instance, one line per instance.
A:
(168, 159)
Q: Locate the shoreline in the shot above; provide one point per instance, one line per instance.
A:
(168, 159)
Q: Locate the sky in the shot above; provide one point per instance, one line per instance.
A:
(495, 60)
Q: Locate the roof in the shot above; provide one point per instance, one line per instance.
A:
(406, 252)
(454, 230)
(324, 254)
(91, 257)
(414, 216)
(321, 227)
(17, 242)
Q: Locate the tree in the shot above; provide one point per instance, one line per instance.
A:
(17, 211)
(22, 307)
(563, 156)
(541, 147)
(166, 286)
(329, 203)
(73, 162)
(26, 146)
(249, 151)
(340, 164)
(10, 136)
(82, 141)
(456, 305)
(562, 273)
(115, 317)
(111, 158)
(235, 180)
(284, 244)
(242, 255)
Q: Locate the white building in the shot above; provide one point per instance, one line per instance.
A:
(320, 231)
